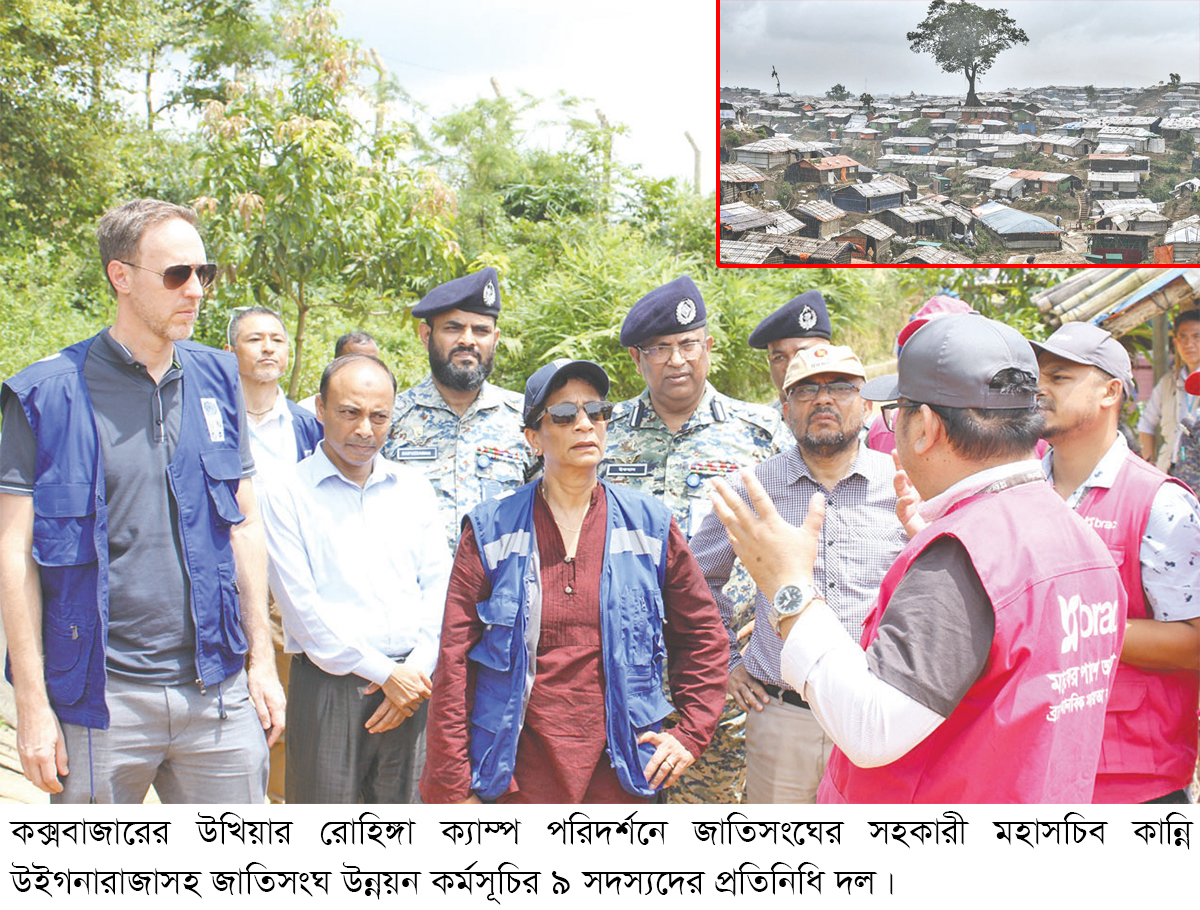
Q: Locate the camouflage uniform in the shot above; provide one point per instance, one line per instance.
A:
(722, 435)
(467, 459)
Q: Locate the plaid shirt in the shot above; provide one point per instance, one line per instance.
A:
(860, 539)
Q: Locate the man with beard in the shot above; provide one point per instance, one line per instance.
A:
(1151, 525)
(786, 749)
(462, 431)
(281, 432)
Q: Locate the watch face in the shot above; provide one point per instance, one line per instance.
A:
(789, 599)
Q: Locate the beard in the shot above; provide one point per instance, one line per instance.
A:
(461, 379)
(827, 442)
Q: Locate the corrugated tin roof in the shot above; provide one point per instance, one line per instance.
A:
(820, 210)
(835, 162)
(1007, 182)
(740, 173)
(784, 224)
(1114, 177)
(987, 173)
(877, 188)
(934, 256)
(740, 216)
(1005, 220)
(741, 252)
(1040, 175)
(913, 214)
(872, 228)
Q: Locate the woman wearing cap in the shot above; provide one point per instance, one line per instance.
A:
(567, 600)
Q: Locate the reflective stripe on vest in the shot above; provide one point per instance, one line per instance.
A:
(631, 620)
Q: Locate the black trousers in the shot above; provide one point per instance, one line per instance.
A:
(331, 758)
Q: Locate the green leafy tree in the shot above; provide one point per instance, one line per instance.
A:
(868, 101)
(1091, 93)
(966, 38)
(838, 93)
(305, 207)
(1175, 80)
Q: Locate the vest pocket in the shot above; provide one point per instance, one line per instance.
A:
(499, 617)
(231, 609)
(1124, 727)
(67, 644)
(64, 524)
(642, 620)
(222, 474)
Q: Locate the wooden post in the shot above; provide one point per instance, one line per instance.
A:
(696, 150)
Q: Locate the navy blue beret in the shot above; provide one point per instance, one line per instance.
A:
(476, 293)
(802, 317)
(673, 308)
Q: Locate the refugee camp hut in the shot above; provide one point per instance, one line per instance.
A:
(807, 250)
(822, 220)
(741, 252)
(736, 218)
(1047, 181)
(984, 155)
(834, 169)
(981, 178)
(1144, 216)
(911, 145)
(1184, 237)
(1118, 246)
(739, 181)
(766, 153)
(1107, 164)
(932, 255)
(866, 198)
(1116, 183)
(1018, 230)
(873, 239)
(924, 220)
(1007, 187)
(1075, 146)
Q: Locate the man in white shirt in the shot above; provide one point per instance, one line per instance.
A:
(359, 566)
(281, 432)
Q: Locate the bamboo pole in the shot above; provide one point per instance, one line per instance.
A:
(1112, 295)
(1044, 300)
(1176, 294)
(1088, 293)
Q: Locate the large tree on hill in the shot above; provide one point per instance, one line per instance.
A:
(965, 38)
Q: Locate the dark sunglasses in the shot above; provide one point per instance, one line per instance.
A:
(565, 414)
(176, 276)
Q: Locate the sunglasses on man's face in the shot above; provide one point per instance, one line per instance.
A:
(565, 413)
(176, 276)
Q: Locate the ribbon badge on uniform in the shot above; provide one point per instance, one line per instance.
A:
(807, 318)
(685, 311)
(489, 294)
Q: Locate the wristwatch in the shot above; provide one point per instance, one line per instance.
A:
(790, 601)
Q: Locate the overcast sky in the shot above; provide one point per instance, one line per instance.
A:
(861, 43)
(649, 64)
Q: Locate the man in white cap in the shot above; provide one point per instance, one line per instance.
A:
(1150, 523)
(786, 749)
(985, 666)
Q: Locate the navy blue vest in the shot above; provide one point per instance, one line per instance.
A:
(307, 428)
(631, 626)
(70, 523)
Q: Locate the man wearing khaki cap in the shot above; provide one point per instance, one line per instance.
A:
(984, 668)
(786, 749)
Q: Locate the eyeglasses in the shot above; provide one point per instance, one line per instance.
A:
(176, 276)
(567, 412)
(661, 353)
(888, 412)
(808, 391)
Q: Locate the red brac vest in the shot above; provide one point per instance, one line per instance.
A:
(1029, 728)
(1150, 731)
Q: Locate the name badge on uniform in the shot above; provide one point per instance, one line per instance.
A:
(628, 470)
(416, 453)
(212, 416)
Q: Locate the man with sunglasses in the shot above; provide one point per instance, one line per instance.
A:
(461, 431)
(668, 442)
(985, 665)
(132, 558)
(786, 749)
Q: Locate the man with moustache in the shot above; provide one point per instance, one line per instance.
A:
(361, 596)
(1150, 523)
(800, 323)
(132, 558)
(464, 433)
(281, 431)
(786, 749)
(668, 442)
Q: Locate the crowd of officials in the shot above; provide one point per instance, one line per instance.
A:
(976, 591)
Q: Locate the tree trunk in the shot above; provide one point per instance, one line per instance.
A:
(298, 349)
(149, 102)
(972, 98)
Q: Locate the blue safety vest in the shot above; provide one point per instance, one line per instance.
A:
(309, 431)
(631, 627)
(70, 522)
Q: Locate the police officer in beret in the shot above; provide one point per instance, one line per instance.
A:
(464, 433)
(667, 442)
(800, 323)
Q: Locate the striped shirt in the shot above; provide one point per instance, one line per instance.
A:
(860, 539)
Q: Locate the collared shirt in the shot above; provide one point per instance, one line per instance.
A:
(359, 573)
(1170, 544)
(273, 439)
(860, 540)
(1187, 407)
(722, 435)
(1008, 474)
(468, 459)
